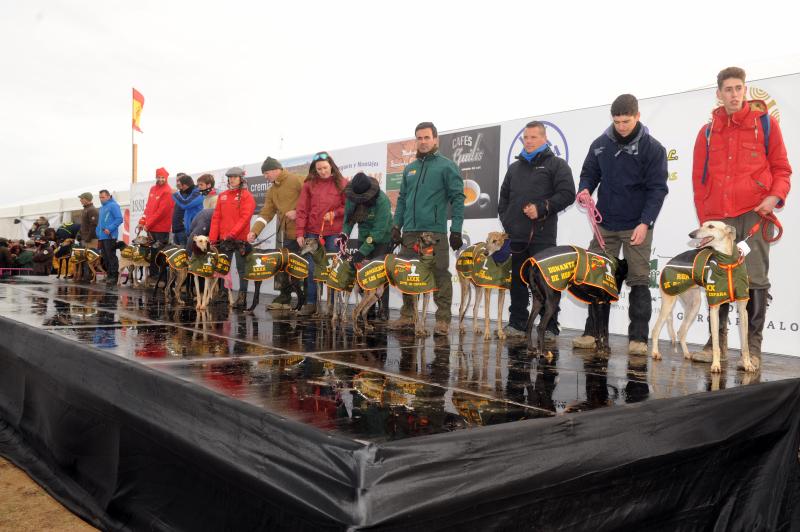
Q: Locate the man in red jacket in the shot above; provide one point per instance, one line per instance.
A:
(231, 220)
(740, 174)
(157, 217)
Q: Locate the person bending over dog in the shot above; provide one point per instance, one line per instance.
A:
(537, 186)
(628, 167)
(740, 174)
(368, 207)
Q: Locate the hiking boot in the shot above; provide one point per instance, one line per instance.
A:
(442, 328)
(636, 347)
(513, 332)
(401, 323)
(583, 342)
(309, 309)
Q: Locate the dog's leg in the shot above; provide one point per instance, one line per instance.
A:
(462, 306)
(537, 301)
(426, 299)
(665, 314)
(476, 328)
(691, 301)
(487, 300)
(356, 313)
(747, 362)
(199, 295)
(256, 296)
(501, 299)
(716, 367)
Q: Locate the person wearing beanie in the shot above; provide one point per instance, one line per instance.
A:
(231, 220)
(281, 200)
(368, 207)
(157, 217)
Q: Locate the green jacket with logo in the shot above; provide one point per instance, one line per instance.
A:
(376, 228)
(429, 185)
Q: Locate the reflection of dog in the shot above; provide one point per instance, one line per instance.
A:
(477, 269)
(720, 281)
(593, 278)
(208, 261)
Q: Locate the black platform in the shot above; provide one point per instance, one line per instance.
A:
(139, 415)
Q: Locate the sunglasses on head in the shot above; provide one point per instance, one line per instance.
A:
(320, 157)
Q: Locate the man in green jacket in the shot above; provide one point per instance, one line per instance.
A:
(367, 206)
(430, 184)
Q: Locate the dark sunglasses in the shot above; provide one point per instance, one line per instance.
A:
(320, 157)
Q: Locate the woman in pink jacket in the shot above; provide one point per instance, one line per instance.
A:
(320, 213)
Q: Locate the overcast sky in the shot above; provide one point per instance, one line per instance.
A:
(230, 82)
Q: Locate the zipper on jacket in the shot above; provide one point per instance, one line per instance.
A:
(416, 188)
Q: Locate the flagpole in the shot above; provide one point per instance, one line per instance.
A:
(133, 149)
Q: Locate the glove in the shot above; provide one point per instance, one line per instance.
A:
(341, 239)
(357, 257)
(456, 241)
(397, 236)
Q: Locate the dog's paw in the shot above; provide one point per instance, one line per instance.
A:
(501, 334)
(656, 355)
(716, 367)
(487, 335)
(369, 327)
(748, 366)
(476, 330)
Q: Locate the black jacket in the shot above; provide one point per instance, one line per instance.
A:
(546, 182)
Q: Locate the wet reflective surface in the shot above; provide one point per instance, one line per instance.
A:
(383, 386)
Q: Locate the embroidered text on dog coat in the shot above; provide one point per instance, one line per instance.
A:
(177, 258)
(372, 275)
(342, 275)
(411, 276)
(294, 264)
(684, 271)
(83, 255)
(557, 266)
(574, 269)
(207, 264)
(133, 253)
(260, 266)
(724, 277)
(482, 270)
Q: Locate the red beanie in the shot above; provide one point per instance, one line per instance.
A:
(162, 172)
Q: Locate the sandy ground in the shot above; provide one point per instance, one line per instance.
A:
(24, 506)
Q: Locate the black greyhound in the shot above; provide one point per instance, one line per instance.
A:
(547, 296)
(229, 247)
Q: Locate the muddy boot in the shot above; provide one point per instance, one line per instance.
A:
(586, 341)
(241, 301)
(309, 309)
(705, 354)
(639, 312)
(756, 317)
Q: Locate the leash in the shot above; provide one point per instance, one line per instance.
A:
(764, 224)
(586, 202)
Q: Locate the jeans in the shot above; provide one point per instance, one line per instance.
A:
(109, 248)
(311, 286)
(179, 238)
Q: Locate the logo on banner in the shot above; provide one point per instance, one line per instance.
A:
(555, 139)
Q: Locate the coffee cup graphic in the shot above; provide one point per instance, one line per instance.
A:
(472, 194)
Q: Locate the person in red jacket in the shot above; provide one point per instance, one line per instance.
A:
(231, 220)
(320, 213)
(157, 217)
(740, 174)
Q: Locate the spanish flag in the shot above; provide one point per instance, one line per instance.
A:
(138, 103)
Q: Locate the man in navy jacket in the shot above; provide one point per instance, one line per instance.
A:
(107, 231)
(628, 167)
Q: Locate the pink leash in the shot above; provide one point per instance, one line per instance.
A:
(586, 202)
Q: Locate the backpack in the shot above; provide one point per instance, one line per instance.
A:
(765, 125)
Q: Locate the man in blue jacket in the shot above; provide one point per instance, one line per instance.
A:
(628, 167)
(189, 201)
(107, 229)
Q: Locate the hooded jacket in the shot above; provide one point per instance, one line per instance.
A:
(631, 179)
(318, 197)
(376, 228)
(191, 203)
(110, 218)
(281, 198)
(232, 215)
(157, 217)
(546, 182)
(429, 185)
(741, 170)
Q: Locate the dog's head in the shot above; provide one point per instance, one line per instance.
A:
(143, 240)
(716, 235)
(495, 241)
(201, 243)
(309, 246)
(229, 246)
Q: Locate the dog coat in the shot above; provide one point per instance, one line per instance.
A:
(263, 265)
(208, 264)
(411, 276)
(132, 253)
(341, 275)
(483, 270)
(372, 275)
(724, 277)
(176, 256)
(83, 255)
(574, 269)
(322, 264)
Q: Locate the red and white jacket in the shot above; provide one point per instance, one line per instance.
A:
(232, 215)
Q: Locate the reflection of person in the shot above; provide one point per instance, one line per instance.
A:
(741, 173)
(157, 217)
(368, 207)
(430, 183)
(320, 213)
(537, 186)
(231, 220)
(281, 199)
(628, 167)
(107, 228)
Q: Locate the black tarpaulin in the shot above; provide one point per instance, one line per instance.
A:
(128, 447)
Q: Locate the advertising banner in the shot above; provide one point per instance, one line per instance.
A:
(476, 153)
